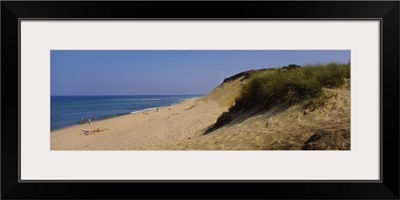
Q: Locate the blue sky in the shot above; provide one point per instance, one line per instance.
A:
(160, 72)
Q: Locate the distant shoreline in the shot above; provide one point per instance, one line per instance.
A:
(122, 114)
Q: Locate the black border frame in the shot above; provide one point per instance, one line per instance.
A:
(386, 11)
(197, 19)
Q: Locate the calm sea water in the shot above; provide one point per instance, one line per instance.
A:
(68, 110)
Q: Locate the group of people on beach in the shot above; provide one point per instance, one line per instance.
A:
(89, 121)
(94, 118)
(89, 132)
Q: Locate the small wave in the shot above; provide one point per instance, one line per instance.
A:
(144, 110)
(120, 114)
(150, 99)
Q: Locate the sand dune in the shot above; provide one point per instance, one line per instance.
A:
(183, 127)
(287, 130)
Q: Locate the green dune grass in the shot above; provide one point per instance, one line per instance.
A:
(287, 86)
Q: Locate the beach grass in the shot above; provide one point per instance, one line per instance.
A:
(289, 85)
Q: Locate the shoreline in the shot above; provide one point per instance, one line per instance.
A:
(124, 114)
(144, 130)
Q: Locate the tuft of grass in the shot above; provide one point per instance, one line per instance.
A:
(223, 119)
(287, 87)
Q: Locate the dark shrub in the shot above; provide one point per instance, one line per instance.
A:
(223, 119)
(291, 66)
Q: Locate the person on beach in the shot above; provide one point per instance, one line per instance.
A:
(94, 119)
(158, 109)
(88, 121)
(82, 121)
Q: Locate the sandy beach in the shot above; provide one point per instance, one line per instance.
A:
(145, 130)
(183, 127)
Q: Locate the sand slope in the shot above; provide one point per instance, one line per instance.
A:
(183, 126)
(287, 130)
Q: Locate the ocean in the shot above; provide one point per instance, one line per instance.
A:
(69, 110)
